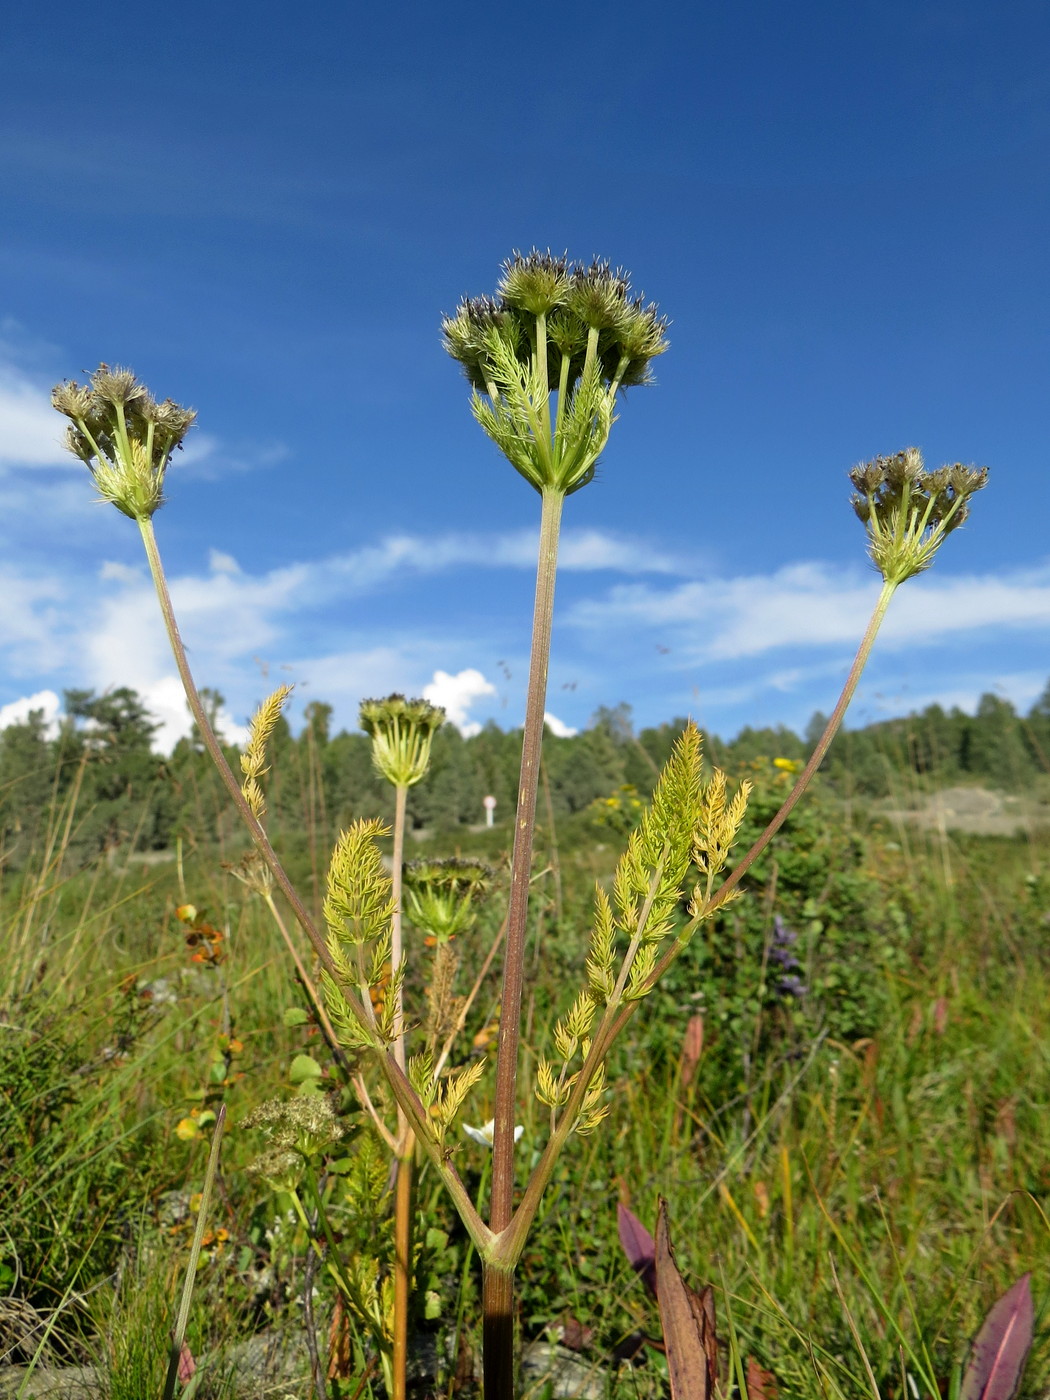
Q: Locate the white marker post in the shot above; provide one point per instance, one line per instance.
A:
(490, 807)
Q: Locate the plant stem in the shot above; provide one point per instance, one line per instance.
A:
(402, 1266)
(406, 1142)
(211, 743)
(816, 758)
(406, 1096)
(498, 1282)
(801, 783)
(468, 1002)
(179, 1335)
(512, 1240)
(521, 861)
(312, 994)
(396, 950)
(497, 1301)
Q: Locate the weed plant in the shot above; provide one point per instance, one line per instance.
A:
(788, 1143)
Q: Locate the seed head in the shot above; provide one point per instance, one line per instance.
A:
(536, 282)
(402, 732)
(123, 435)
(908, 511)
(441, 896)
(558, 331)
(306, 1124)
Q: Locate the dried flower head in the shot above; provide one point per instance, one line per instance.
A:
(571, 331)
(908, 511)
(123, 435)
(441, 896)
(306, 1124)
(402, 732)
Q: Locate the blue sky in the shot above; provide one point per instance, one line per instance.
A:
(265, 212)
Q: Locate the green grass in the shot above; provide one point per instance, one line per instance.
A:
(885, 1185)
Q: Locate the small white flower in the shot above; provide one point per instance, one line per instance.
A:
(484, 1135)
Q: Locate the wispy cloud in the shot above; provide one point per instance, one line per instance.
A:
(31, 431)
(813, 605)
(582, 551)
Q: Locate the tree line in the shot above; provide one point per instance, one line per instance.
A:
(98, 784)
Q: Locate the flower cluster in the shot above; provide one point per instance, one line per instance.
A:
(570, 329)
(441, 896)
(402, 732)
(908, 511)
(781, 956)
(123, 434)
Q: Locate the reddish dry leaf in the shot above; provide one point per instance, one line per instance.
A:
(638, 1245)
(574, 1334)
(692, 1049)
(761, 1384)
(687, 1318)
(940, 1015)
(1001, 1347)
(187, 1366)
(339, 1342)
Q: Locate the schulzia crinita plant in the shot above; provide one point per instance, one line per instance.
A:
(547, 358)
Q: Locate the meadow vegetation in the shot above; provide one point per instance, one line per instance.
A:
(858, 1131)
(818, 1057)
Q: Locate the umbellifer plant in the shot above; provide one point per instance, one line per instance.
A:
(547, 357)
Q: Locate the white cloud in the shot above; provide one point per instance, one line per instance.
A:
(557, 727)
(457, 694)
(31, 431)
(165, 699)
(581, 551)
(113, 570)
(18, 711)
(221, 563)
(807, 605)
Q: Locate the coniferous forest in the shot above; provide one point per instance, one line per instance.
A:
(128, 793)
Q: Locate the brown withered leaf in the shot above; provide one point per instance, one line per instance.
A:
(574, 1334)
(692, 1049)
(761, 1384)
(339, 1348)
(688, 1320)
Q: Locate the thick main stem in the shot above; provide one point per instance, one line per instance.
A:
(405, 1140)
(402, 1266)
(498, 1284)
(521, 861)
(497, 1301)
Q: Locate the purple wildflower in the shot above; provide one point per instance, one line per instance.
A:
(780, 954)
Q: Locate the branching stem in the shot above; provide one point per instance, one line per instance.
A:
(407, 1098)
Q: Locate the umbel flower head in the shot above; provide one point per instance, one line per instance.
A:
(441, 896)
(908, 511)
(554, 329)
(402, 732)
(123, 434)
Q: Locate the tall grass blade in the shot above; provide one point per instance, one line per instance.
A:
(180, 1361)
